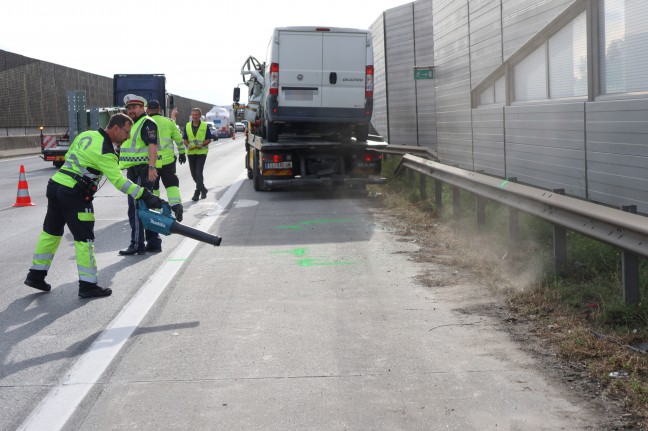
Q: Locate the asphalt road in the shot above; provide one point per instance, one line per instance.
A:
(308, 316)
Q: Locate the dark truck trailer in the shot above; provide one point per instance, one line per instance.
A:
(149, 86)
(312, 162)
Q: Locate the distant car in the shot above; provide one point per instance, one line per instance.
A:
(212, 130)
(240, 127)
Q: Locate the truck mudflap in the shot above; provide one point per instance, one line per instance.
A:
(275, 184)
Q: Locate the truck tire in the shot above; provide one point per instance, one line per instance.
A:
(249, 171)
(58, 164)
(256, 173)
(272, 132)
(362, 132)
(247, 162)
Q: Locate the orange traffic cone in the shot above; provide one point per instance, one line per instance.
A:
(22, 198)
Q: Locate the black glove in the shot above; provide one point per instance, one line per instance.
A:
(182, 158)
(152, 201)
(177, 210)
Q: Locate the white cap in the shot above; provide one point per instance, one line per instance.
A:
(131, 99)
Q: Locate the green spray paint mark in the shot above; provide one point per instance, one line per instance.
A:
(308, 262)
(504, 183)
(296, 252)
(301, 224)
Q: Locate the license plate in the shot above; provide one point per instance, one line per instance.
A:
(280, 165)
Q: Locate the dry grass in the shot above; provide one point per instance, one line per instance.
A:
(576, 351)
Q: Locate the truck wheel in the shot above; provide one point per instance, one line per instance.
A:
(256, 173)
(362, 132)
(247, 162)
(57, 165)
(272, 131)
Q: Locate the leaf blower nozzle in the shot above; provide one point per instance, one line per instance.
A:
(163, 222)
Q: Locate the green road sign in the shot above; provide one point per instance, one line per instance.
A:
(424, 73)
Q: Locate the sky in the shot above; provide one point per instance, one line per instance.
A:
(199, 46)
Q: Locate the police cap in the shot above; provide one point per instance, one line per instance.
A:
(132, 99)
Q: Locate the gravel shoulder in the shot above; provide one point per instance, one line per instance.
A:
(494, 277)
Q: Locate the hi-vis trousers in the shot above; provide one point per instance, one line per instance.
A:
(65, 206)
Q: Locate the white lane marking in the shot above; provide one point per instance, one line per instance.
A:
(59, 405)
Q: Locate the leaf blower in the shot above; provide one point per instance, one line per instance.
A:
(163, 222)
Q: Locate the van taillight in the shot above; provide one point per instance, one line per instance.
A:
(274, 79)
(369, 82)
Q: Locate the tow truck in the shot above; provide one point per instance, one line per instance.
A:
(325, 158)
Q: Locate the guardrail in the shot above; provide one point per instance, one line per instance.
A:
(620, 228)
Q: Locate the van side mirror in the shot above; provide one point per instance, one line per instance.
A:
(171, 102)
(237, 94)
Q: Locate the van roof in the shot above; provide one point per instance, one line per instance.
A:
(317, 28)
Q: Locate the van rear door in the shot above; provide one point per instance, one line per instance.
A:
(344, 68)
(300, 69)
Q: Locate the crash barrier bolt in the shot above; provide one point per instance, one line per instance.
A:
(22, 197)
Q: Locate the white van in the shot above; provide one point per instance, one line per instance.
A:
(318, 80)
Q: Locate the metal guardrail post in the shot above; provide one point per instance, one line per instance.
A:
(560, 243)
(423, 188)
(630, 269)
(410, 178)
(480, 208)
(513, 221)
(456, 201)
(438, 194)
(480, 203)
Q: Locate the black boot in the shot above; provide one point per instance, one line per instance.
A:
(132, 250)
(196, 195)
(203, 193)
(92, 290)
(177, 209)
(36, 279)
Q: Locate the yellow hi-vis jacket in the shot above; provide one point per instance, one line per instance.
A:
(196, 141)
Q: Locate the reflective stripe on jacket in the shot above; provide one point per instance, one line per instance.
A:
(135, 151)
(169, 135)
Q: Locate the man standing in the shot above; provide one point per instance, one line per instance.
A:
(139, 156)
(166, 166)
(69, 202)
(196, 137)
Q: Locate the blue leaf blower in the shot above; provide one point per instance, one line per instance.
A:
(163, 222)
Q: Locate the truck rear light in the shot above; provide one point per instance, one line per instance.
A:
(271, 158)
(274, 79)
(276, 158)
(372, 157)
(369, 81)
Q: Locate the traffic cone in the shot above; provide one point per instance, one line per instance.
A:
(22, 198)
